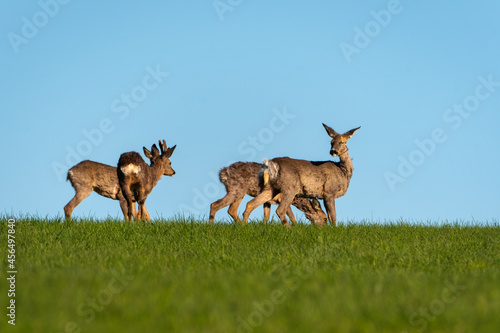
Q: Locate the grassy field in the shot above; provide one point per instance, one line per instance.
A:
(188, 276)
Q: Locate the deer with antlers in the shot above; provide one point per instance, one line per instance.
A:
(325, 180)
(88, 176)
(137, 179)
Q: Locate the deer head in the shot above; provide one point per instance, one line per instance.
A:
(161, 158)
(339, 141)
(316, 215)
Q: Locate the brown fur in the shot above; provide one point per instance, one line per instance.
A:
(242, 178)
(136, 186)
(88, 176)
(323, 180)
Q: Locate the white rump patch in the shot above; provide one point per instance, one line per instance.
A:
(272, 168)
(130, 169)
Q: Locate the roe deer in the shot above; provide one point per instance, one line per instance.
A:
(242, 178)
(88, 176)
(137, 179)
(325, 180)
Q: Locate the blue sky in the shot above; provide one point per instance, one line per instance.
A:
(245, 80)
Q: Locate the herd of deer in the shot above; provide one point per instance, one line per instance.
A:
(281, 181)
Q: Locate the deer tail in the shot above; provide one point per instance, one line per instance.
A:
(223, 175)
(266, 176)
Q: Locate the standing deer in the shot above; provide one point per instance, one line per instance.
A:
(325, 180)
(242, 178)
(137, 179)
(88, 176)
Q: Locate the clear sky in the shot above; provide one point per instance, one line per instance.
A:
(241, 80)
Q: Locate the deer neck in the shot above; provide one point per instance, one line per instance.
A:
(345, 164)
(155, 173)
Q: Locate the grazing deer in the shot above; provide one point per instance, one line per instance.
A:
(137, 179)
(242, 178)
(88, 176)
(325, 180)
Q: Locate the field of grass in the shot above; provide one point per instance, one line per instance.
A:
(188, 276)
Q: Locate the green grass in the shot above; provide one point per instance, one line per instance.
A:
(187, 276)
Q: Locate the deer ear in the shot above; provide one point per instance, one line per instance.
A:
(331, 132)
(154, 150)
(169, 151)
(147, 153)
(350, 133)
(315, 204)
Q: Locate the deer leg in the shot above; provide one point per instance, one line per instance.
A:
(289, 212)
(123, 204)
(143, 213)
(267, 211)
(233, 208)
(129, 198)
(284, 206)
(277, 199)
(330, 211)
(263, 197)
(219, 204)
(133, 212)
(139, 212)
(80, 195)
(320, 216)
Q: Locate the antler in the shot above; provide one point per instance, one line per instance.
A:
(165, 151)
(163, 146)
